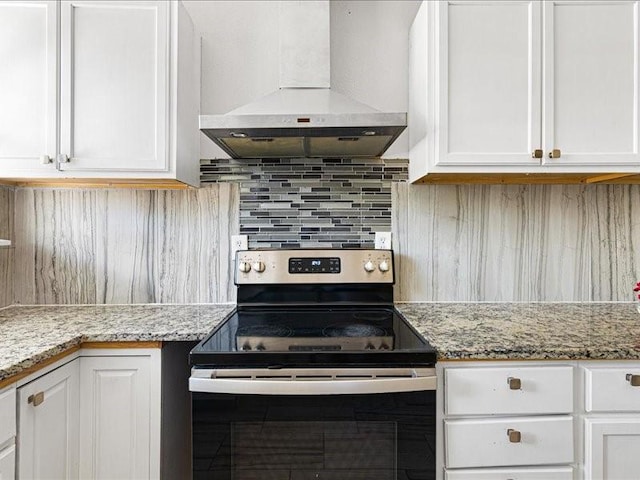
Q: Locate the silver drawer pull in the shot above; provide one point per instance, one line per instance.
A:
(634, 380)
(514, 383)
(36, 399)
(514, 435)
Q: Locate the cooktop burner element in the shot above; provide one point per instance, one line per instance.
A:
(306, 330)
(303, 308)
(356, 330)
(264, 331)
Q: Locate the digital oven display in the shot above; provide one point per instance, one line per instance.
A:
(314, 265)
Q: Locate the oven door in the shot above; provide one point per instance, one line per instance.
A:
(303, 424)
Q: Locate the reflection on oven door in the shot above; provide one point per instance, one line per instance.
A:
(313, 450)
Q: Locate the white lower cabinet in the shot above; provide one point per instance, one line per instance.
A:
(7, 433)
(539, 420)
(612, 420)
(48, 425)
(93, 415)
(507, 421)
(119, 418)
(8, 463)
(549, 473)
(612, 448)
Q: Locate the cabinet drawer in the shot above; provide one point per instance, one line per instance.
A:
(608, 390)
(486, 391)
(7, 414)
(555, 473)
(486, 443)
(8, 463)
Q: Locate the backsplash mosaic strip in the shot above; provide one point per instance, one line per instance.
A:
(306, 202)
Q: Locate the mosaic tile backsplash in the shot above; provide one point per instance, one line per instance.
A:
(306, 202)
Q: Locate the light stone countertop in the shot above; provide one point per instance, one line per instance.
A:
(474, 331)
(32, 334)
(528, 331)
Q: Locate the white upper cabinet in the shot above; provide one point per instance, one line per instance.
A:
(524, 86)
(591, 82)
(127, 98)
(488, 64)
(27, 85)
(114, 96)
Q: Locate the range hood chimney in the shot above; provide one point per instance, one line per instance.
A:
(304, 118)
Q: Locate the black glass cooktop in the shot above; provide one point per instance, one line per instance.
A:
(313, 336)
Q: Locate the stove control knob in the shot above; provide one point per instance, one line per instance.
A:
(384, 346)
(369, 347)
(384, 266)
(244, 267)
(259, 267)
(369, 266)
(246, 347)
(260, 347)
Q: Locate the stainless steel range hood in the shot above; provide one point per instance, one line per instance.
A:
(304, 118)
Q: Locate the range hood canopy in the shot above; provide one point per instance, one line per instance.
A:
(304, 118)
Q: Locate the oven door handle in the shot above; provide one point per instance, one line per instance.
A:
(295, 386)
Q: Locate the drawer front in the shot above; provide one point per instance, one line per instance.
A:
(505, 390)
(550, 473)
(608, 390)
(8, 463)
(486, 442)
(7, 414)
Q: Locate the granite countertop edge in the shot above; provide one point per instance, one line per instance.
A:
(32, 334)
(458, 331)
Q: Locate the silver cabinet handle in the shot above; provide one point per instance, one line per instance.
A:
(514, 383)
(634, 380)
(514, 435)
(45, 159)
(36, 399)
(60, 159)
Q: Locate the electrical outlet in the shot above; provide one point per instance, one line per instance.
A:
(383, 241)
(238, 242)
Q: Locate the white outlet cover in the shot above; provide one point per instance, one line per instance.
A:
(238, 242)
(383, 241)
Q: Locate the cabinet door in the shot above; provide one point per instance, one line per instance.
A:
(8, 463)
(611, 448)
(114, 86)
(48, 425)
(115, 417)
(7, 414)
(28, 86)
(488, 78)
(591, 82)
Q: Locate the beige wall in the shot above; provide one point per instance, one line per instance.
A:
(7, 196)
(452, 243)
(77, 246)
(516, 242)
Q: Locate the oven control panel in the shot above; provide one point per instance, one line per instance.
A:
(305, 265)
(311, 266)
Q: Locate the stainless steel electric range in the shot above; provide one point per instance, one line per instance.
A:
(315, 374)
